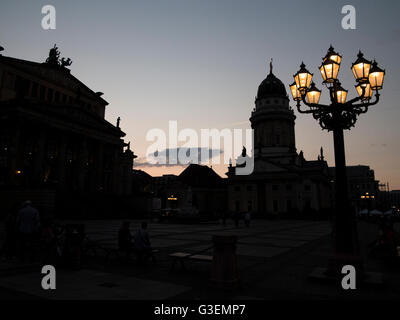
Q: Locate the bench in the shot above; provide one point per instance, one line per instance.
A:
(93, 247)
(182, 256)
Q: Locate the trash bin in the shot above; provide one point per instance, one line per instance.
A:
(224, 272)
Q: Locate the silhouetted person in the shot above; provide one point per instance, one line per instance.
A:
(125, 239)
(10, 228)
(386, 244)
(142, 243)
(28, 222)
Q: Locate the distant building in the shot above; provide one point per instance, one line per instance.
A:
(55, 145)
(389, 199)
(395, 198)
(142, 196)
(283, 181)
(363, 188)
(197, 190)
(161, 182)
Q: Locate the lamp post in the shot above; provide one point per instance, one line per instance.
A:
(339, 115)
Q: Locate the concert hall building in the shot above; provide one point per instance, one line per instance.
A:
(56, 148)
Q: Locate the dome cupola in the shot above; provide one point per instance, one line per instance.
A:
(271, 86)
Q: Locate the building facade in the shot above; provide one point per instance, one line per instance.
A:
(54, 140)
(283, 182)
(197, 190)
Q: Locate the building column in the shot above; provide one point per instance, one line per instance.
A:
(61, 162)
(100, 167)
(116, 172)
(82, 161)
(14, 155)
(39, 158)
(261, 199)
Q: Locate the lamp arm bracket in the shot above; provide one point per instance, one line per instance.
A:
(312, 105)
(368, 104)
(350, 102)
(302, 111)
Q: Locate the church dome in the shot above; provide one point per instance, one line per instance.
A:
(271, 86)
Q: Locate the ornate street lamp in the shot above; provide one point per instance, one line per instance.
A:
(332, 55)
(340, 93)
(313, 94)
(295, 92)
(339, 115)
(376, 76)
(329, 70)
(330, 66)
(303, 79)
(361, 68)
(368, 91)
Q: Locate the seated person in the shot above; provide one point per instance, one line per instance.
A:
(125, 238)
(388, 241)
(142, 243)
(386, 244)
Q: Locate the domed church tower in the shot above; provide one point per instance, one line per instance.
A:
(273, 122)
(283, 181)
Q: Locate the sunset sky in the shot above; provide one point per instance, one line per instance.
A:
(200, 63)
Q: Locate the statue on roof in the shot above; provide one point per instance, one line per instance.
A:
(66, 62)
(322, 154)
(270, 66)
(54, 58)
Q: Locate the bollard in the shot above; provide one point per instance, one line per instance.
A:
(224, 268)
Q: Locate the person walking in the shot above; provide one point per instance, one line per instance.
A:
(28, 223)
(142, 243)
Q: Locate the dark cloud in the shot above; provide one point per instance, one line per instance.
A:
(170, 157)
